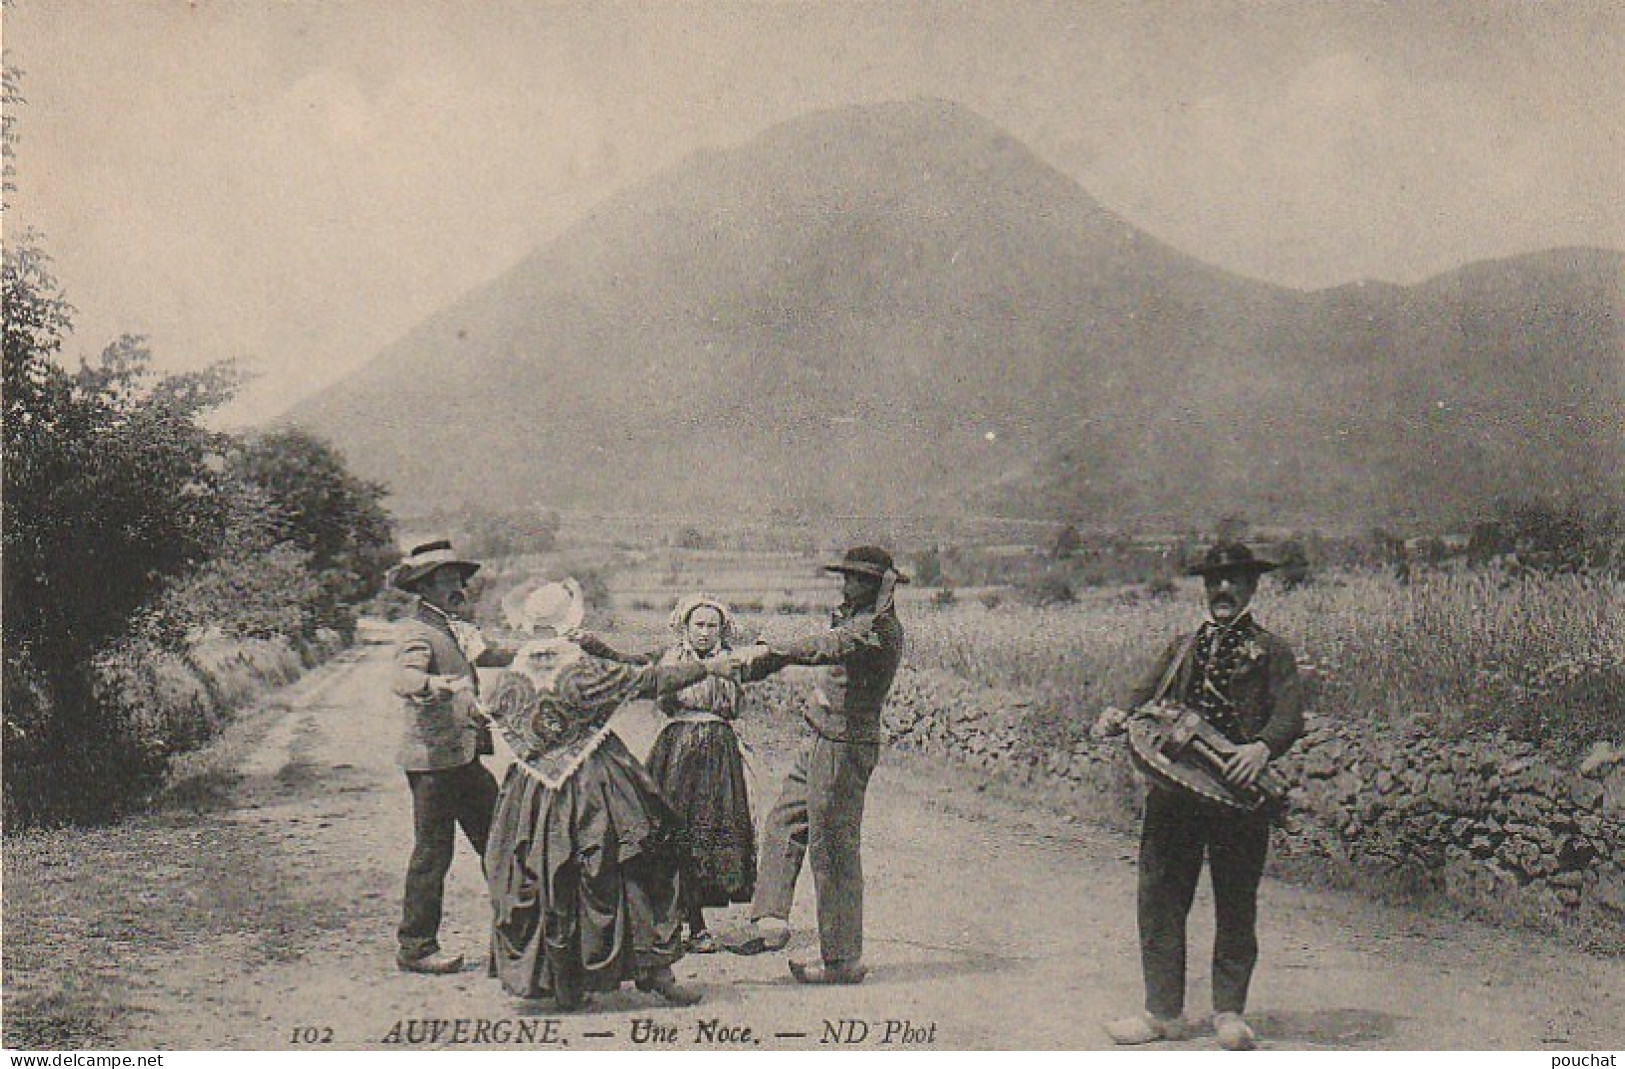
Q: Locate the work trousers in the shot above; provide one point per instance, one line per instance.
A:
(441, 801)
(1176, 835)
(819, 812)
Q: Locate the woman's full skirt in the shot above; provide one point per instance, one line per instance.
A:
(584, 879)
(702, 777)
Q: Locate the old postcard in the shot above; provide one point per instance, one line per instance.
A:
(814, 526)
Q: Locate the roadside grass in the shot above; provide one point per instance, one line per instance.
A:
(86, 907)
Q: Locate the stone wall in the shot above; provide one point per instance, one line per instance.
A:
(1489, 823)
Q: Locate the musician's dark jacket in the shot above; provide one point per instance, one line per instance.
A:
(1267, 692)
(863, 651)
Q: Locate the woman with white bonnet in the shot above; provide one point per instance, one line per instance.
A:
(584, 856)
(699, 766)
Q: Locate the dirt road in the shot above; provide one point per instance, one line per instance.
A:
(991, 923)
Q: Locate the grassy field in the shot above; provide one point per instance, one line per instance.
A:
(1542, 658)
(1539, 657)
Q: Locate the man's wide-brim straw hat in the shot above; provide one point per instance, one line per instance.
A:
(870, 561)
(1231, 558)
(426, 559)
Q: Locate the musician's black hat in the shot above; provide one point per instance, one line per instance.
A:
(1229, 557)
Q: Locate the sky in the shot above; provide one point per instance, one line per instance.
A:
(297, 184)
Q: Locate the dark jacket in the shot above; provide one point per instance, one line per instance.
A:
(862, 652)
(1266, 691)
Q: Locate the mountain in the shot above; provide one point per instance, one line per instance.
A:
(899, 309)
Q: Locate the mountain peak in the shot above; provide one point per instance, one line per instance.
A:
(832, 316)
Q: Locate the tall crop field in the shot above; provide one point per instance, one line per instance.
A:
(1541, 658)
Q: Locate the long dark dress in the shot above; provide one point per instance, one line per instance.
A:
(584, 874)
(701, 773)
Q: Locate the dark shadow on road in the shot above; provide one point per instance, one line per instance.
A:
(1353, 1029)
(946, 962)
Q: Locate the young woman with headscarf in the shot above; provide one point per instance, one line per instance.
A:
(699, 765)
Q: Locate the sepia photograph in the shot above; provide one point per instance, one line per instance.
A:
(813, 525)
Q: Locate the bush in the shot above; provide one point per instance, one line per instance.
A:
(265, 595)
(489, 536)
(391, 604)
(927, 567)
(1067, 543)
(1047, 589)
(594, 587)
(1552, 538)
(1294, 564)
(694, 538)
(1161, 588)
(162, 705)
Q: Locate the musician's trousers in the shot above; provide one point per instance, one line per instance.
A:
(819, 812)
(1176, 835)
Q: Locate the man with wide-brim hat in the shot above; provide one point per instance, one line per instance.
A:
(819, 812)
(442, 738)
(1244, 682)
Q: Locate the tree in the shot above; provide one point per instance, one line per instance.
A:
(1067, 542)
(12, 96)
(928, 567)
(320, 507)
(488, 535)
(1232, 527)
(112, 488)
(691, 537)
(1293, 558)
(112, 484)
(1553, 537)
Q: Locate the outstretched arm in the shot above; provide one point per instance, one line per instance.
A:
(597, 647)
(659, 680)
(595, 688)
(827, 647)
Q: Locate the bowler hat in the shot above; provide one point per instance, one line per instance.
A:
(1224, 557)
(424, 560)
(871, 561)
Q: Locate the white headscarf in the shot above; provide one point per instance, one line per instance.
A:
(712, 695)
(685, 608)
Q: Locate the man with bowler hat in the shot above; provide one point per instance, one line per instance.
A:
(819, 812)
(1243, 681)
(443, 735)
